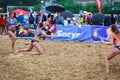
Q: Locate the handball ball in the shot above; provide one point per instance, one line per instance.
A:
(23, 33)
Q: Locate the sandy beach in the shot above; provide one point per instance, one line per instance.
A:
(60, 61)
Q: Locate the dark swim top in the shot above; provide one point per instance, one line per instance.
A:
(11, 23)
(45, 29)
(37, 32)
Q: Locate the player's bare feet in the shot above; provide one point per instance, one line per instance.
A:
(16, 51)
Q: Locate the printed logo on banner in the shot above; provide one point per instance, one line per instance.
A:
(100, 32)
(22, 31)
(95, 34)
(71, 35)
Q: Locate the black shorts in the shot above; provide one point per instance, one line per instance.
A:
(118, 47)
(33, 40)
(48, 32)
(12, 30)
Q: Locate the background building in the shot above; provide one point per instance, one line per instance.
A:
(94, 1)
(84, 1)
(110, 1)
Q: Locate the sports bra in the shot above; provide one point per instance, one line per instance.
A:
(11, 22)
(115, 38)
(37, 32)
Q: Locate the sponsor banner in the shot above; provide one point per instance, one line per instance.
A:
(99, 32)
(22, 31)
(72, 33)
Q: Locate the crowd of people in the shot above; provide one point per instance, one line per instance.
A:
(107, 21)
(43, 30)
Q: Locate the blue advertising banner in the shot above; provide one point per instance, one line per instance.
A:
(85, 33)
(99, 32)
(22, 31)
(72, 33)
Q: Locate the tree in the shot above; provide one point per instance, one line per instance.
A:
(91, 8)
(37, 7)
(69, 5)
(5, 3)
(111, 9)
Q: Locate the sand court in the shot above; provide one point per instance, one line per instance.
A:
(60, 61)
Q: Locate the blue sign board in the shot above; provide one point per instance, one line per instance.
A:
(72, 33)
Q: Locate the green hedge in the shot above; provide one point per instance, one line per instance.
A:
(76, 7)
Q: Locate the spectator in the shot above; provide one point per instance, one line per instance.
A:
(65, 21)
(71, 22)
(59, 19)
(20, 18)
(88, 19)
(31, 19)
(81, 19)
(107, 20)
(3, 22)
(112, 19)
(15, 16)
(117, 18)
(40, 17)
(49, 15)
